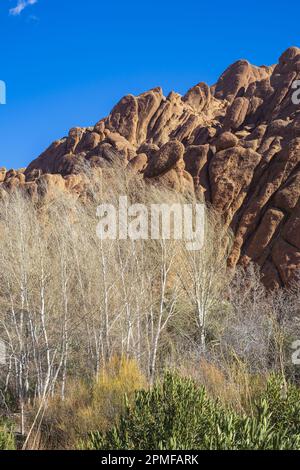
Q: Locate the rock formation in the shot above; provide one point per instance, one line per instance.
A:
(237, 143)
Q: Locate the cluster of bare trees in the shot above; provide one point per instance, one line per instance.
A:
(259, 326)
(70, 301)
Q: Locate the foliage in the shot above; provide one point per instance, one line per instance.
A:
(177, 414)
(284, 401)
(90, 406)
(7, 441)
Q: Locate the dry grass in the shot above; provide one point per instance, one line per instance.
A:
(231, 383)
(88, 407)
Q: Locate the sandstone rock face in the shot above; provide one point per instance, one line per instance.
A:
(167, 157)
(139, 163)
(225, 141)
(237, 144)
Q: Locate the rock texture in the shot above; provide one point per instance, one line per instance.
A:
(236, 143)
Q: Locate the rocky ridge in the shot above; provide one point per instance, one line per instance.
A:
(235, 144)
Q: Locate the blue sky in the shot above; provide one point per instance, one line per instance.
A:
(67, 62)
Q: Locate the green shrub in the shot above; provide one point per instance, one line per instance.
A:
(284, 401)
(7, 441)
(177, 415)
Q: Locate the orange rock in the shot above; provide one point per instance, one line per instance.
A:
(167, 158)
(139, 163)
(236, 144)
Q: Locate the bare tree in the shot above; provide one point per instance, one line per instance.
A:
(204, 274)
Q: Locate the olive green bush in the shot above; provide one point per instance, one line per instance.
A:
(7, 441)
(177, 414)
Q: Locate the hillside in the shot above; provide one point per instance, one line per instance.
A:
(235, 144)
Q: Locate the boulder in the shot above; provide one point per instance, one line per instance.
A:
(167, 158)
